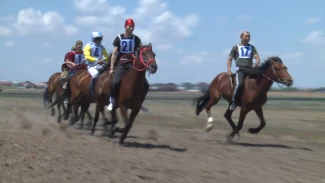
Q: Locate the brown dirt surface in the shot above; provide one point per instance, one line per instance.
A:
(167, 144)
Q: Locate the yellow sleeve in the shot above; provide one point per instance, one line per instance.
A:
(87, 52)
(106, 55)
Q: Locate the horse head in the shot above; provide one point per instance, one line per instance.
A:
(274, 70)
(146, 59)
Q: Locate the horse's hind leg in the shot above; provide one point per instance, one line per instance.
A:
(259, 113)
(228, 115)
(213, 101)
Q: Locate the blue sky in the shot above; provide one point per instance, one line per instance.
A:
(191, 38)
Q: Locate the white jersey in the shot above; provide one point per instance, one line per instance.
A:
(245, 51)
(127, 44)
(79, 58)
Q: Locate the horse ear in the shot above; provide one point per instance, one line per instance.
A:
(150, 45)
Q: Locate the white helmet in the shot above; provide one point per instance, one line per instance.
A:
(96, 35)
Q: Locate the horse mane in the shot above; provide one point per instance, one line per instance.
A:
(267, 63)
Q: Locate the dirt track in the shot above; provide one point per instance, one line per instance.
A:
(35, 149)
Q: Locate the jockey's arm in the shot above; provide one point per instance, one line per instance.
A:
(106, 55)
(256, 56)
(231, 56)
(69, 59)
(113, 59)
(88, 57)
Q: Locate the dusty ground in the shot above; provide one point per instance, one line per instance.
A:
(167, 144)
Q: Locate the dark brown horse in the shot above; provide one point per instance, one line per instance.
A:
(50, 89)
(132, 91)
(80, 96)
(253, 97)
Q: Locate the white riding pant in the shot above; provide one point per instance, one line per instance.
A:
(93, 72)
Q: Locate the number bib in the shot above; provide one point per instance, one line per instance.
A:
(126, 44)
(78, 58)
(245, 51)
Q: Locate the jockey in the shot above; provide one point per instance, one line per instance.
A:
(65, 68)
(93, 52)
(243, 54)
(75, 61)
(124, 44)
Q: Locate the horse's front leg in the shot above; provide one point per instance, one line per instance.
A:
(59, 112)
(129, 124)
(242, 116)
(259, 113)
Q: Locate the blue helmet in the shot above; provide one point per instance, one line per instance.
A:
(96, 35)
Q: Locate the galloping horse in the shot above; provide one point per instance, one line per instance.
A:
(132, 90)
(80, 95)
(253, 98)
(59, 101)
(51, 87)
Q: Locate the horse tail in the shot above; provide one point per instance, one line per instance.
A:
(201, 101)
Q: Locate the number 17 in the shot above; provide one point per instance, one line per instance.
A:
(244, 51)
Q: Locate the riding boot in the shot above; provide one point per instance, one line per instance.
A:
(234, 96)
(112, 98)
(92, 88)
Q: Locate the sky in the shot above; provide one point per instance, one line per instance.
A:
(191, 39)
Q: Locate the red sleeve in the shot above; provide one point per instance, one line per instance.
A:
(66, 56)
(71, 57)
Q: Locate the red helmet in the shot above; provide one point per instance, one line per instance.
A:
(129, 22)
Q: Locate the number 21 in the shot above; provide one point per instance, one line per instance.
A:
(244, 52)
(126, 44)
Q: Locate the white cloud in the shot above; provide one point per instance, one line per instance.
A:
(9, 44)
(30, 22)
(154, 22)
(312, 20)
(4, 31)
(46, 61)
(244, 18)
(316, 37)
(46, 45)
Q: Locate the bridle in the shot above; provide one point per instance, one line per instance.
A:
(278, 79)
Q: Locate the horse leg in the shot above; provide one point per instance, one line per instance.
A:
(113, 121)
(213, 101)
(128, 124)
(75, 117)
(66, 116)
(50, 102)
(82, 116)
(96, 117)
(242, 116)
(259, 113)
(59, 112)
(228, 115)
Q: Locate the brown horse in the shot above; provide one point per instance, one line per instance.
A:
(253, 97)
(80, 96)
(132, 91)
(50, 89)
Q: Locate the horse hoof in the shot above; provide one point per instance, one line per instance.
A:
(252, 131)
(230, 139)
(208, 127)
